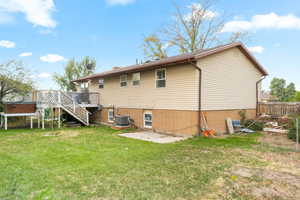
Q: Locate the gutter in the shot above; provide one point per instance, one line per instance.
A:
(199, 98)
(258, 82)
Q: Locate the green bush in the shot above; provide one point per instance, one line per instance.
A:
(255, 125)
(292, 130)
(242, 114)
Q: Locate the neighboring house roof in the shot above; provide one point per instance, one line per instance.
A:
(180, 59)
(266, 96)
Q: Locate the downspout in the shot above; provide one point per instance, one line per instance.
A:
(257, 83)
(199, 97)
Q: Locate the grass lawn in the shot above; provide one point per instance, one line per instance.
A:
(95, 163)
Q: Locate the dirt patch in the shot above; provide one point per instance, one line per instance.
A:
(64, 133)
(265, 183)
(261, 172)
(277, 140)
(255, 184)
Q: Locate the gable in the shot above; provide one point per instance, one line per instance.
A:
(228, 81)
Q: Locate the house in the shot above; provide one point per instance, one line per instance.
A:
(174, 95)
(266, 96)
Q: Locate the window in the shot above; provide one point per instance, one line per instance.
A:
(123, 80)
(148, 119)
(136, 77)
(160, 78)
(84, 85)
(110, 115)
(101, 83)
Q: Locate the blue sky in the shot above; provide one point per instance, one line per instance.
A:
(44, 34)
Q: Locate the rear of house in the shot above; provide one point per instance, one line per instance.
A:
(178, 94)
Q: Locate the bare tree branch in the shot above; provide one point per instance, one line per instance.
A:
(199, 28)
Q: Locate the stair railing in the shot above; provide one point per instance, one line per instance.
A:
(56, 98)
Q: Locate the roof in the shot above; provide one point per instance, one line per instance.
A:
(174, 60)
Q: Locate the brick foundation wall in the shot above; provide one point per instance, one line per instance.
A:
(177, 122)
(216, 119)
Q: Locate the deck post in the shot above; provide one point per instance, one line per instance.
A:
(31, 122)
(43, 120)
(59, 125)
(38, 118)
(87, 118)
(5, 122)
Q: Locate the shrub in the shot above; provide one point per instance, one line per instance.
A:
(292, 130)
(255, 125)
(242, 114)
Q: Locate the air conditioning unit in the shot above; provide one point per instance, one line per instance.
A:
(122, 121)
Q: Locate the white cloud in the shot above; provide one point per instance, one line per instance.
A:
(119, 2)
(44, 75)
(37, 12)
(52, 58)
(271, 20)
(196, 10)
(7, 44)
(256, 49)
(25, 54)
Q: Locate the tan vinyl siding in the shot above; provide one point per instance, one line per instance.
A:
(228, 81)
(180, 93)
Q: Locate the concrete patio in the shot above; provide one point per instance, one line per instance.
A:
(153, 137)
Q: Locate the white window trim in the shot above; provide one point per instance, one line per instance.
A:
(124, 81)
(108, 115)
(144, 121)
(161, 69)
(85, 85)
(138, 80)
(99, 83)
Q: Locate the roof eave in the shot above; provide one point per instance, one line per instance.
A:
(142, 68)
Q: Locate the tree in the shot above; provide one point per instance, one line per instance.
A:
(154, 48)
(281, 91)
(199, 28)
(297, 97)
(15, 81)
(73, 71)
(290, 92)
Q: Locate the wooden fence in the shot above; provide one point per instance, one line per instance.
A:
(278, 108)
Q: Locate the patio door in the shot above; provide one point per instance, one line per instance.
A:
(147, 119)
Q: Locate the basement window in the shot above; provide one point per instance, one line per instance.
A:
(148, 119)
(111, 115)
(136, 77)
(160, 78)
(123, 80)
(101, 83)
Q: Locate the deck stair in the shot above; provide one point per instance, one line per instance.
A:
(60, 99)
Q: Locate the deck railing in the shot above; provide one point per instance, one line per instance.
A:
(85, 97)
(55, 98)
